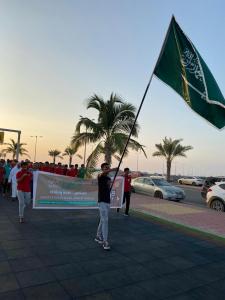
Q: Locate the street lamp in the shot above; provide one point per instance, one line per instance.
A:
(137, 161)
(35, 147)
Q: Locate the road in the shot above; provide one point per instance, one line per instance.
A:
(193, 195)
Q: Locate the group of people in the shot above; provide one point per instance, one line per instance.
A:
(17, 177)
(60, 169)
(21, 188)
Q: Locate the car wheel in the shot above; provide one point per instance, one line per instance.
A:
(180, 182)
(193, 183)
(218, 205)
(158, 195)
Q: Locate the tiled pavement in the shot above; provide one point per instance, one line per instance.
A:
(201, 218)
(53, 256)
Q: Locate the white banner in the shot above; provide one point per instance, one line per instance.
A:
(52, 191)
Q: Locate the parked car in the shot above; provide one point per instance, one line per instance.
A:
(208, 182)
(191, 180)
(157, 186)
(215, 197)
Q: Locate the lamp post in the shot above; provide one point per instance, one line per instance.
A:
(137, 160)
(35, 146)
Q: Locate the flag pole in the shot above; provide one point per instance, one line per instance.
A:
(135, 120)
(142, 101)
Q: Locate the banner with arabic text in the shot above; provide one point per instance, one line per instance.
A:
(63, 192)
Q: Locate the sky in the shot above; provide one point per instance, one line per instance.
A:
(54, 55)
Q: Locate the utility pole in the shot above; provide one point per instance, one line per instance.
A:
(35, 146)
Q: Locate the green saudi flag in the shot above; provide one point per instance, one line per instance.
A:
(182, 68)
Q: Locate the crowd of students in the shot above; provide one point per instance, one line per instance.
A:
(16, 179)
(9, 169)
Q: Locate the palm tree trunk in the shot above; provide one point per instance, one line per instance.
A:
(108, 155)
(70, 160)
(168, 169)
(54, 159)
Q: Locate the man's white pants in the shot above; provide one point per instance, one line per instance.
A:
(24, 200)
(14, 189)
(102, 231)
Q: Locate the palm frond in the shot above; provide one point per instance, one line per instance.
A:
(94, 156)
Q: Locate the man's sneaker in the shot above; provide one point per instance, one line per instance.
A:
(126, 215)
(21, 220)
(106, 246)
(98, 240)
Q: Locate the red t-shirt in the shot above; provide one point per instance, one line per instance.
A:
(71, 173)
(127, 183)
(45, 169)
(59, 170)
(24, 184)
(51, 169)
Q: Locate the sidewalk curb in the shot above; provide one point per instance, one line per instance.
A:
(179, 226)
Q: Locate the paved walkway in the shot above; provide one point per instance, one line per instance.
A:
(53, 256)
(200, 218)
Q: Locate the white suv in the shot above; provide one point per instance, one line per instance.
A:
(215, 197)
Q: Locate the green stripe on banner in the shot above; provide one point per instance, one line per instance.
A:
(75, 203)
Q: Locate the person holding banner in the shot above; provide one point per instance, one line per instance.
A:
(104, 186)
(23, 178)
(127, 191)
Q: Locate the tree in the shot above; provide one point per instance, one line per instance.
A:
(71, 151)
(2, 154)
(12, 148)
(110, 132)
(170, 149)
(54, 153)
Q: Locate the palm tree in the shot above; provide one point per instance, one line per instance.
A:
(12, 148)
(170, 149)
(71, 151)
(54, 153)
(2, 154)
(110, 132)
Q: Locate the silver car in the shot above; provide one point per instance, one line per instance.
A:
(158, 187)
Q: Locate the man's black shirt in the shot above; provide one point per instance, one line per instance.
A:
(104, 188)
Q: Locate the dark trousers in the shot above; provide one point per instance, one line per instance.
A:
(1, 188)
(6, 186)
(31, 189)
(126, 198)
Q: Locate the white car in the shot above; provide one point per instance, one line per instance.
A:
(191, 180)
(215, 197)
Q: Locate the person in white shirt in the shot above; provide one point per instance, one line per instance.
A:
(13, 181)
